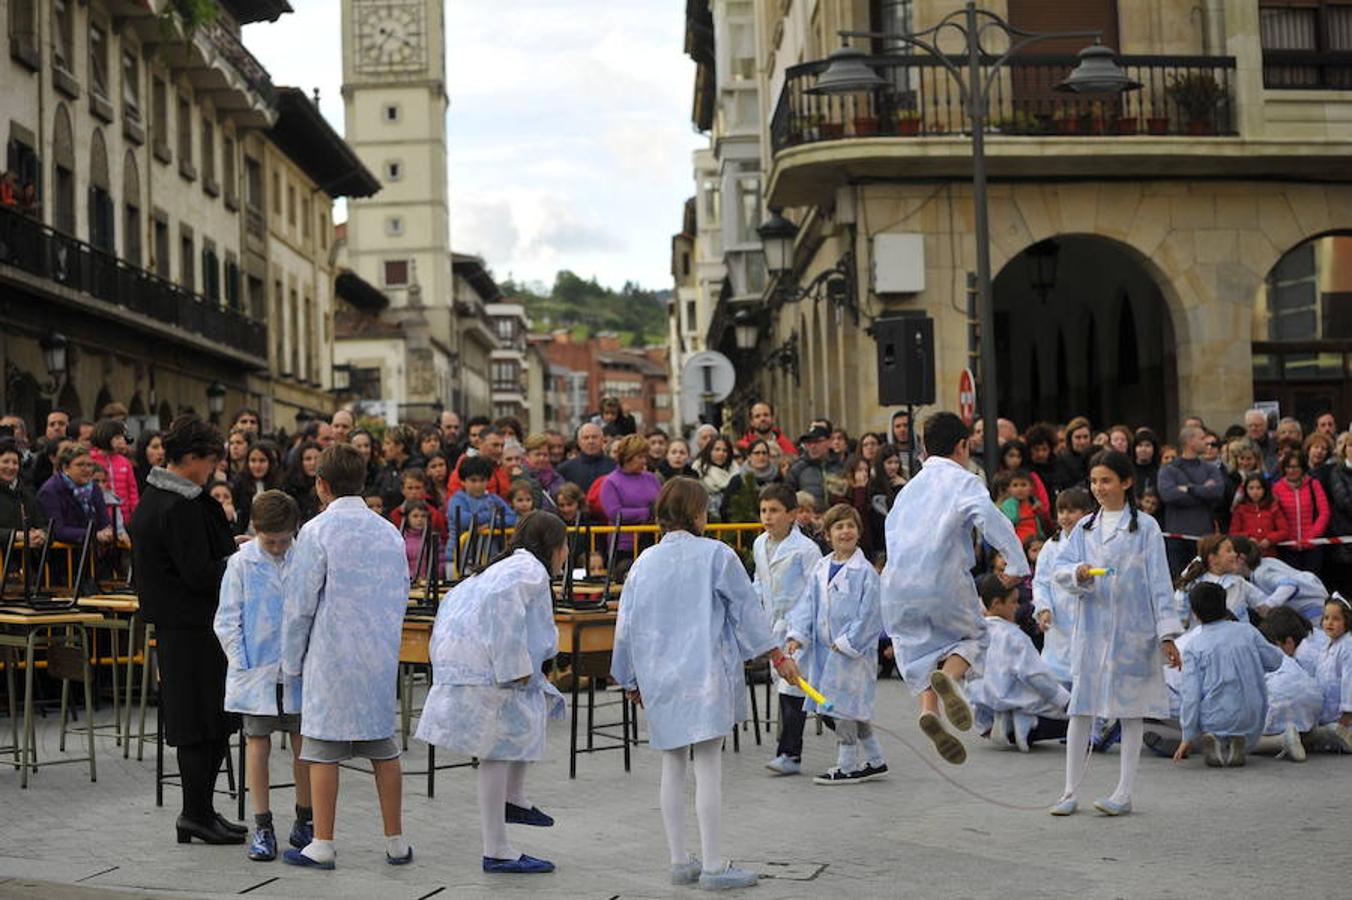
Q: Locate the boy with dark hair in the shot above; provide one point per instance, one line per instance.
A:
(347, 648)
(1295, 699)
(930, 605)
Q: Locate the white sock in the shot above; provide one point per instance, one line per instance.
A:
(516, 785)
(1132, 732)
(672, 798)
(1077, 751)
(320, 851)
(493, 775)
(709, 801)
(396, 847)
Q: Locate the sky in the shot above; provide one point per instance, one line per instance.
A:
(569, 128)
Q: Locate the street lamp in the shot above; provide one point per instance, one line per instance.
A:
(746, 330)
(215, 400)
(1097, 72)
(777, 235)
(53, 346)
(342, 379)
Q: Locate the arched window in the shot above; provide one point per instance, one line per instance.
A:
(63, 172)
(101, 215)
(131, 211)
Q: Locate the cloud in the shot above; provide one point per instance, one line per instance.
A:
(568, 133)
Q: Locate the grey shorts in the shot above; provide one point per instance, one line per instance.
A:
(319, 751)
(262, 726)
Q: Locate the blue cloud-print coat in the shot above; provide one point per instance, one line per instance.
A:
(1056, 640)
(838, 623)
(1294, 698)
(493, 630)
(1224, 683)
(346, 595)
(1016, 678)
(782, 580)
(249, 626)
(1333, 671)
(1300, 590)
(930, 606)
(1116, 661)
(689, 617)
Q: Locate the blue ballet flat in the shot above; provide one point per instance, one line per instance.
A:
(526, 865)
(519, 815)
(1066, 806)
(296, 858)
(301, 835)
(400, 860)
(263, 847)
(1110, 807)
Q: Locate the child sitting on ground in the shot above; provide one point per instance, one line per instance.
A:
(249, 626)
(1018, 696)
(1333, 671)
(1216, 563)
(1294, 697)
(1223, 703)
(837, 624)
(1281, 583)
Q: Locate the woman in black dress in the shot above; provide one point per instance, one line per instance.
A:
(180, 543)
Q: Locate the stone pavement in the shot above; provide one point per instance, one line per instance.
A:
(1272, 828)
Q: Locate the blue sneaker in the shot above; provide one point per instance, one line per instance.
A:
(729, 879)
(400, 860)
(301, 834)
(519, 815)
(526, 865)
(263, 846)
(296, 858)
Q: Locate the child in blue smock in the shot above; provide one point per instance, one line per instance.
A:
(1223, 697)
(1294, 697)
(1217, 562)
(837, 624)
(784, 558)
(1017, 695)
(1054, 607)
(930, 607)
(249, 626)
(1333, 671)
(346, 595)
(1125, 623)
(689, 620)
(489, 698)
(1281, 583)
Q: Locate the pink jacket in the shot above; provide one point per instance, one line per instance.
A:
(1305, 507)
(121, 478)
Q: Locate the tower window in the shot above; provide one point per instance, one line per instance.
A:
(394, 171)
(396, 272)
(390, 112)
(394, 225)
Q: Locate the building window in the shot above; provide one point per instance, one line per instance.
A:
(161, 229)
(305, 219)
(396, 272)
(390, 112)
(131, 85)
(253, 183)
(685, 264)
(98, 61)
(506, 328)
(232, 297)
(187, 277)
(276, 193)
(211, 273)
(394, 170)
(394, 225)
(21, 159)
(294, 328)
(101, 215)
(742, 38)
(185, 166)
(209, 156)
(291, 205)
(131, 231)
(63, 36)
(691, 315)
(506, 376)
(323, 229)
(228, 177)
(1298, 40)
(159, 111)
(23, 32)
(278, 327)
(748, 207)
(712, 201)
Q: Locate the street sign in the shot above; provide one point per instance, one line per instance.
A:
(707, 377)
(967, 397)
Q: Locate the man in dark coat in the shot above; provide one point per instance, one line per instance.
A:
(180, 543)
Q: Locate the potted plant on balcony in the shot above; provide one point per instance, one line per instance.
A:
(1017, 123)
(1157, 124)
(829, 130)
(908, 122)
(1126, 124)
(1069, 120)
(865, 125)
(1197, 94)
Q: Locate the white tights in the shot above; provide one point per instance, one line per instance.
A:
(1077, 754)
(500, 783)
(708, 801)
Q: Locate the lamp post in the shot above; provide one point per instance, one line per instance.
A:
(215, 401)
(53, 347)
(1096, 73)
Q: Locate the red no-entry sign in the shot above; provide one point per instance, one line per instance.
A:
(967, 397)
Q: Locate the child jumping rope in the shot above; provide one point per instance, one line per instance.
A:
(1125, 625)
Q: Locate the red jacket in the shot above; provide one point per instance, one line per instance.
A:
(785, 445)
(121, 478)
(435, 517)
(1305, 507)
(1260, 523)
(499, 484)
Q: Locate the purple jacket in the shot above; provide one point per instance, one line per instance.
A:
(67, 517)
(631, 495)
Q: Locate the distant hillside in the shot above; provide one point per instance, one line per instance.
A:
(638, 315)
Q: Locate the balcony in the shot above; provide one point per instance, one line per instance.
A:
(34, 248)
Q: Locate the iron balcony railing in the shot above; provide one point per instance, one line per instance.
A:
(33, 247)
(1179, 95)
(244, 62)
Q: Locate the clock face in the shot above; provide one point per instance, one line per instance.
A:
(390, 36)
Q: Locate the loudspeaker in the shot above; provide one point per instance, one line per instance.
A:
(905, 360)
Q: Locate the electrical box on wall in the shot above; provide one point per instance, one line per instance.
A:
(898, 263)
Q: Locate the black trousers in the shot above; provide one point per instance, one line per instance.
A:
(198, 765)
(1180, 552)
(791, 722)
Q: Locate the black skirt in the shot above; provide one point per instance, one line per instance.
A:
(192, 686)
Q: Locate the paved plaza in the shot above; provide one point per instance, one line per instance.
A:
(1274, 828)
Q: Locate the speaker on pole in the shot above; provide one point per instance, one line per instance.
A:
(905, 360)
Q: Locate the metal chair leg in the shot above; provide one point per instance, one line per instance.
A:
(243, 775)
(65, 708)
(89, 699)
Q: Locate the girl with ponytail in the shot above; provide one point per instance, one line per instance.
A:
(489, 699)
(1125, 624)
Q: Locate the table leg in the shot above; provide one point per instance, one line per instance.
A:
(89, 697)
(572, 744)
(11, 691)
(159, 758)
(591, 710)
(65, 711)
(28, 759)
(117, 700)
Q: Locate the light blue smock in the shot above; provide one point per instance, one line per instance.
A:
(689, 618)
(249, 626)
(1120, 620)
(1333, 671)
(1224, 684)
(1016, 678)
(346, 595)
(1310, 650)
(782, 580)
(838, 623)
(1047, 595)
(1294, 698)
(493, 630)
(930, 605)
(1309, 592)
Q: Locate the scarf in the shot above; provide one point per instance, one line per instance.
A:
(84, 494)
(162, 478)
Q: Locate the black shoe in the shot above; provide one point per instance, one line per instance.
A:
(870, 772)
(211, 833)
(229, 826)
